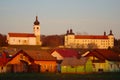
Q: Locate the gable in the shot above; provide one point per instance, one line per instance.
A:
(94, 56)
(57, 55)
(20, 56)
(109, 55)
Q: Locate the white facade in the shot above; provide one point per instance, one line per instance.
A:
(88, 41)
(26, 38)
(21, 40)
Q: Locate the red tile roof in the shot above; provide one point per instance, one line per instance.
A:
(67, 52)
(104, 54)
(91, 37)
(109, 55)
(36, 55)
(41, 55)
(21, 35)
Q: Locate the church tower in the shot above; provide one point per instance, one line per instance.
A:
(36, 29)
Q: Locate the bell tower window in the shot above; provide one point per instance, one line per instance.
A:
(37, 27)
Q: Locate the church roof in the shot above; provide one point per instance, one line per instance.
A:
(91, 37)
(21, 35)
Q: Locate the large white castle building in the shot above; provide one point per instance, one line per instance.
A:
(26, 38)
(88, 41)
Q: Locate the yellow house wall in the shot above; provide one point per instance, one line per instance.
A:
(98, 66)
(113, 66)
(49, 66)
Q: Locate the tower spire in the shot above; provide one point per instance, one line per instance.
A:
(36, 21)
(111, 32)
(104, 33)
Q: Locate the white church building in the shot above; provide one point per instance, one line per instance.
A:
(26, 38)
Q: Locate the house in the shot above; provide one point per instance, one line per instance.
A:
(26, 38)
(69, 61)
(60, 54)
(32, 61)
(75, 65)
(44, 59)
(104, 60)
(4, 57)
(104, 41)
(19, 62)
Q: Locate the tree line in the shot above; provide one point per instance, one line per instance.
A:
(3, 40)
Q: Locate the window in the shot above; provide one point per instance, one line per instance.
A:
(19, 41)
(24, 41)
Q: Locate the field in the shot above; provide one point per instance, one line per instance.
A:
(57, 76)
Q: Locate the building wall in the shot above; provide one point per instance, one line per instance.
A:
(2, 69)
(87, 67)
(47, 66)
(100, 67)
(71, 42)
(70, 69)
(113, 66)
(22, 40)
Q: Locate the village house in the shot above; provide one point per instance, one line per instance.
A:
(43, 58)
(60, 54)
(4, 57)
(104, 60)
(71, 62)
(75, 65)
(31, 61)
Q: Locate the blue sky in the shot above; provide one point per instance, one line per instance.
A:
(56, 16)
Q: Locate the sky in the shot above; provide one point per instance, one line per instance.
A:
(91, 17)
